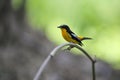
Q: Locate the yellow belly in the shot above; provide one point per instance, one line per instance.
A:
(67, 37)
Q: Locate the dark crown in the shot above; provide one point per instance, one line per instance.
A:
(64, 26)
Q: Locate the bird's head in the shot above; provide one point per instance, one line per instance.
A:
(64, 27)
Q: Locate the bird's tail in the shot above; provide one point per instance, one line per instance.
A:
(84, 38)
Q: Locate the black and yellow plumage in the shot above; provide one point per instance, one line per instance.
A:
(70, 36)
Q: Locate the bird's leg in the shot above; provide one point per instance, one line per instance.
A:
(69, 48)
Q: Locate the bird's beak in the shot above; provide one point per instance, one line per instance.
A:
(59, 27)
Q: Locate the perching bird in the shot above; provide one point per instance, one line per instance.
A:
(70, 36)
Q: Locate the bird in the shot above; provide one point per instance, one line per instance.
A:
(70, 36)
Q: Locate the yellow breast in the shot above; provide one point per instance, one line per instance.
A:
(67, 36)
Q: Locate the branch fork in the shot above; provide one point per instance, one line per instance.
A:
(55, 50)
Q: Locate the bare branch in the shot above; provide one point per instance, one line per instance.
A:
(71, 45)
(37, 76)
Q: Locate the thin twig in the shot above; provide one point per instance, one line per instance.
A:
(91, 59)
(38, 74)
(93, 71)
(71, 45)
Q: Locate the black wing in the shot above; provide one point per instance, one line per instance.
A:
(74, 36)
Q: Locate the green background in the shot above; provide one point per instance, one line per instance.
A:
(98, 19)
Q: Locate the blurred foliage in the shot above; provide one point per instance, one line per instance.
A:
(16, 4)
(99, 19)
